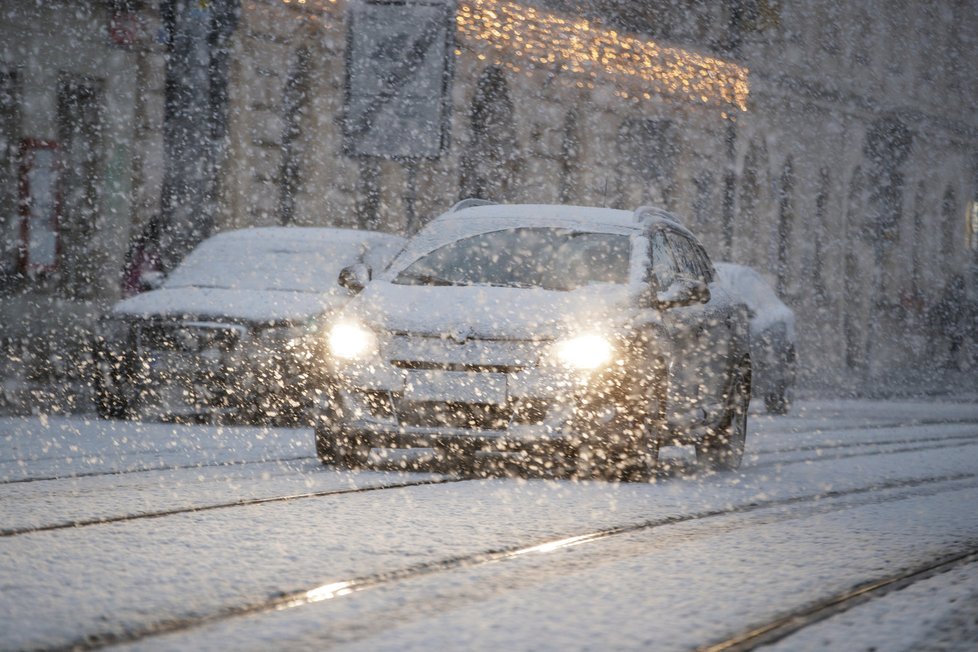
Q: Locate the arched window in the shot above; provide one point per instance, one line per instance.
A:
(949, 222)
(647, 147)
(786, 217)
(747, 224)
(293, 106)
(819, 230)
(570, 146)
(490, 162)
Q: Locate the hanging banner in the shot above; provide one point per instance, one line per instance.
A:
(398, 76)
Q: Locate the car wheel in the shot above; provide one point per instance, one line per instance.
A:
(723, 449)
(337, 448)
(455, 458)
(325, 450)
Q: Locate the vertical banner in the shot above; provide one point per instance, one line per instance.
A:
(399, 69)
(40, 205)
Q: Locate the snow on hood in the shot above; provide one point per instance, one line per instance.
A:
(265, 274)
(232, 304)
(749, 285)
(487, 312)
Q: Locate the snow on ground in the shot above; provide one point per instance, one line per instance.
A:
(671, 587)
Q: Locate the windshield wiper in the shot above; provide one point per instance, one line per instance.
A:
(421, 279)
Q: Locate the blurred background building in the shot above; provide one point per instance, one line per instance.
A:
(832, 146)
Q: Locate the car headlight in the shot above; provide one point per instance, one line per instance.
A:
(351, 341)
(584, 352)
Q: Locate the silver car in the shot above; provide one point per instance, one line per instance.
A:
(566, 336)
(772, 333)
(234, 331)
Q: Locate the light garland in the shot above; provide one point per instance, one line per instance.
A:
(541, 39)
(526, 39)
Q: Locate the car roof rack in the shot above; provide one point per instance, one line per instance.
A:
(470, 202)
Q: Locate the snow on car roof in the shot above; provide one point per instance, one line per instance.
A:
(521, 214)
(302, 238)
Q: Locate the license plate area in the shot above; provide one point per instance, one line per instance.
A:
(456, 386)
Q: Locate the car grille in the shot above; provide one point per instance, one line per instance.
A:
(188, 337)
(454, 414)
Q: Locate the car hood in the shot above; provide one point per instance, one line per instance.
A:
(487, 312)
(265, 306)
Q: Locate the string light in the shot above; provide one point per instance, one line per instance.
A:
(581, 47)
(527, 38)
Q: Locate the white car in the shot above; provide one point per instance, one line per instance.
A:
(234, 330)
(574, 336)
(772, 331)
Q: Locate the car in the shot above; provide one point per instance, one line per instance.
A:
(772, 331)
(232, 331)
(566, 337)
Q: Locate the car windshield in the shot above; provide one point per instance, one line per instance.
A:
(548, 258)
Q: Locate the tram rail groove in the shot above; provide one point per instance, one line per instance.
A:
(152, 469)
(301, 597)
(787, 624)
(245, 502)
(122, 518)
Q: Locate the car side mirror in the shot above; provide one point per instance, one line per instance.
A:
(683, 292)
(355, 277)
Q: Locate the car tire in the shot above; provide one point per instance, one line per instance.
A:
(455, 458)
(336, 448)
(723, 448)
(325, 450)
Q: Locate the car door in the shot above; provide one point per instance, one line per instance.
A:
(715, 333)
(696, 370)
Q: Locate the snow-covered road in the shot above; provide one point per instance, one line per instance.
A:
(196, 537)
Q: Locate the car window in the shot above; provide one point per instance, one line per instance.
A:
(689, 258)
(664, 264)
(548, 258)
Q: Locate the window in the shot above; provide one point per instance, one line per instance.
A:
(664, 267)
(80, 135)
(9, 139)
(971, 220)
(691, 260)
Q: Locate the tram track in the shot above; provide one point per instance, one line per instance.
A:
(245, 502)
(795, 620)
(333, 589)
(931, 443)
(153, 469)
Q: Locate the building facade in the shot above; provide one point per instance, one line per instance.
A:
(833, 147)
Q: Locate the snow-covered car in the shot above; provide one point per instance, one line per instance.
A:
(772, 332)
(234, 329)
(578, 337)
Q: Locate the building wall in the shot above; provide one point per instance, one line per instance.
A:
(51, 48)
(780, 177)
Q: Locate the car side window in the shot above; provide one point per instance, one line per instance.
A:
(689, 258)
(664, 267)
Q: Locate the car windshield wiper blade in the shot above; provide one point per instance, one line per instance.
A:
(423, 279)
